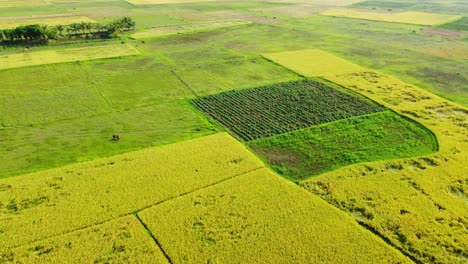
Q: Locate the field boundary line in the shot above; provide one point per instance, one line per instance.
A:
(184, 83)
(138, 210)
(199, 189)
(155, 240)
(403, 115)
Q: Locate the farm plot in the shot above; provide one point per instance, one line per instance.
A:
(34, 58)
(173, 30)
(300, 154)
(299, 11)
(280, 108)
(52, 202)
(120, 240)
(417, 18)
(49, 20)
(261, 218)
(232, 75)
(460, 24)
(319, 2)
(43, 99)
(22, 3)
(305, 62)
(165, 2)
(417, 204)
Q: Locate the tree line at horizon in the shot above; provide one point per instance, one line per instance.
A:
(41, 34)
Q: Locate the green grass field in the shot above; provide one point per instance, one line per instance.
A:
(181, 29)
(300, 154)
(460, 24)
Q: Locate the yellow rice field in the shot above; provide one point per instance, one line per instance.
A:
(172, 30)
(261, 218)
(59, 19)
(123, 240)
(418, 204)
(410, 17)
(305, 63)
(53, 202)
(22, 3)
(33, 58)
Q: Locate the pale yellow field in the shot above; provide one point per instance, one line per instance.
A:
(261, 218)
(53, 202)
(419, 204)
(313, 62)
(33, 58)
(172, 30)
(319, 2)
(13, 22)
(22, 3)
(162, 2)
(123, 240)
(418, 18)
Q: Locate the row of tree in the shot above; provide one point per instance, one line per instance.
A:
(32, 34)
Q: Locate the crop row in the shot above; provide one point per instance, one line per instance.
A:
(280, 108)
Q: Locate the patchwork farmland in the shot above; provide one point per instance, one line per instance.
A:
(186, 131)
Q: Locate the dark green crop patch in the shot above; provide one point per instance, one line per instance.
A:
(275, 109)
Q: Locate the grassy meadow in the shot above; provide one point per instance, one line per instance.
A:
(285, 176)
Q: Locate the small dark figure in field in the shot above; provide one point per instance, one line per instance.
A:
(115, 137)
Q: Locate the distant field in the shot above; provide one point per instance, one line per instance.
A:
(161, 2)
(171, 30)
(418, 18)
(120, 240)
(301, 154)
(33, 58)
(319, 2)
(460, 24)
(433, 212)
(260, 218)
(280, 108)
(299, 11)
(436, 6)
(49, 20)
(22, 3)
(305, 62)
(233, 75)
(88, 193)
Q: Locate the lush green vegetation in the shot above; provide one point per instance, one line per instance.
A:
(31, 34)
(280, 108)
(460, 24)
(300, 154)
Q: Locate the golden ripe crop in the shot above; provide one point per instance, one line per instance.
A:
(53, 202)
(261, 218)
(418, 204)
(123, 240)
